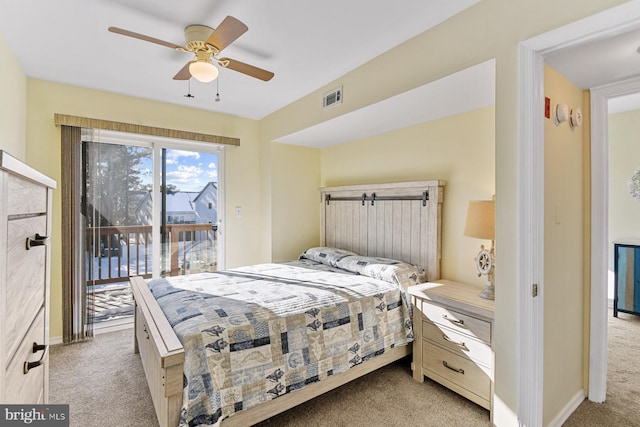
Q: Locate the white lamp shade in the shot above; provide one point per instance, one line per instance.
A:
(481, 222)
(203, 71)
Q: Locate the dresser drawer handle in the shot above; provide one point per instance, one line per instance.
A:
(460, 344)
(36, 348)
(454, 321)
(37, 241)
(458, 370)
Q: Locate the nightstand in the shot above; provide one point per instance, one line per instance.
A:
(453, 345)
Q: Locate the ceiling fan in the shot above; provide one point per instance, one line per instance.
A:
(206, 43)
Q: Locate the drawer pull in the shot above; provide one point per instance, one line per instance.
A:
(458, 370)
(37, 241)
(454, 321)
(460, 344)
(145, 331)
(36, 348)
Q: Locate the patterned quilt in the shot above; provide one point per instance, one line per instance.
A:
(254, 333)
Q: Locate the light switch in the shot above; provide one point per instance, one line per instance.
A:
(238, 211)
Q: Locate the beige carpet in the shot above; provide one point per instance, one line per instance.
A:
(622, 406)
(103, 382)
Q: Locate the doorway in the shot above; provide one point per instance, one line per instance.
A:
(596, 27)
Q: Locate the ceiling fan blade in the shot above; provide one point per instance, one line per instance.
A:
(143, 37)
(184, 73)
(247, 69)
(228, 30)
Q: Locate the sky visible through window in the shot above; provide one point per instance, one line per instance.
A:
(187, 170)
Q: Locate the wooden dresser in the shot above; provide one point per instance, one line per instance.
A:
(453, 343)
(25, 227)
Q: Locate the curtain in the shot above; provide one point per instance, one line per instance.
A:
(78, 298)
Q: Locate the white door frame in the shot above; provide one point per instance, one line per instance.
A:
(531, 230)
(600, 244)
(531, 238)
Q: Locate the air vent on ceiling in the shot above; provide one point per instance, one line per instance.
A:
(332, 98)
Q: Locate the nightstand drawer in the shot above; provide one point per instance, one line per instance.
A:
(461, 344)
(457, 321)
(442, 364)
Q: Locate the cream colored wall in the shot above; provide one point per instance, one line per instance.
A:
(563, 250)
(458, 149)
(244, 244)
(297, 172)
(13, 103)
(624, 160)
(490, 29)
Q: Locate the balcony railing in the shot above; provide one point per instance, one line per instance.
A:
(116, 253)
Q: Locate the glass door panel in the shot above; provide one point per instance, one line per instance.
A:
(117, 205)
(189, 212)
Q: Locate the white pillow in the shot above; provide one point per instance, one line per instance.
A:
(393, 271)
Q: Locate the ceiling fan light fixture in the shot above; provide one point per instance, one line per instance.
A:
(206, 43)
(203, 71)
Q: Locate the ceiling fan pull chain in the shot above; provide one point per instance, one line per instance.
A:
(188, 95)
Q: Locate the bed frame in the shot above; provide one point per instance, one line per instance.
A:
(400, 221)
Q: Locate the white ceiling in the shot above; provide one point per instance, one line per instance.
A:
(624, 103)
(602, 61)
(306, 44)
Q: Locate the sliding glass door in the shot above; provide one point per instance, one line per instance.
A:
(151, 210)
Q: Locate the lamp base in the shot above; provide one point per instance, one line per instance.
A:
(485, 263)
(488, 292)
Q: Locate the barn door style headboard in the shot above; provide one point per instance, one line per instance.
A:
(400, 221)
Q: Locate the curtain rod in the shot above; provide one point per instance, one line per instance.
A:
(85, 122)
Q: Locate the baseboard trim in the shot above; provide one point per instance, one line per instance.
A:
(103, 328)
(569, 408)
(113, 325)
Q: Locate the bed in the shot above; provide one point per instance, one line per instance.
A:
(294, 343)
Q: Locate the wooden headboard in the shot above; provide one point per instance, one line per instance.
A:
(400, 221)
